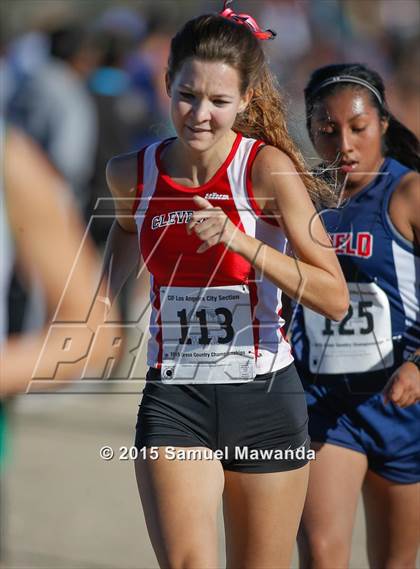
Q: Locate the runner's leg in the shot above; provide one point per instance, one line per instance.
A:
(180, 501)
(335, 481)
(393, 522)
(262, 513)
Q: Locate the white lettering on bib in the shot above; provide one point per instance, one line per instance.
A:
(360, 343)
(207, 335)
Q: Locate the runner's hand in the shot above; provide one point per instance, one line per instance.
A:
(212, 226)
(403, 388)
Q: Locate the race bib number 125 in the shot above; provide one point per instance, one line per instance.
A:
(361, 342)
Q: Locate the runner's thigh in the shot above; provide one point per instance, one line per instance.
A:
(392, 520)
(262, 513)
(180, 501)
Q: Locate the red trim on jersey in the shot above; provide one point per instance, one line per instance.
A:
(252, 155)
(140, 185)
(253, 296)
(283, 333)
(258, 144)
(156, 290)
(215, 178)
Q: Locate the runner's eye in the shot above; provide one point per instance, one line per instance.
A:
(186, 95)
(326, 130)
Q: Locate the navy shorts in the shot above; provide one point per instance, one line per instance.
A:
(258, 426)
(349, 411)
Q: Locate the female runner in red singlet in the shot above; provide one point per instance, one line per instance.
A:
(212, 212)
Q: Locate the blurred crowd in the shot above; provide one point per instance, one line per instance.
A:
(87, 83)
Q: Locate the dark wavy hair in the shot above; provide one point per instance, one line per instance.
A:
(398, 141)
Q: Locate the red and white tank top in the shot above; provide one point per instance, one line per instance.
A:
(214, 317)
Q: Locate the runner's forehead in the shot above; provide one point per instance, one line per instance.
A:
(213, 77)
(190, 87)
(324, 116)
(344, 106)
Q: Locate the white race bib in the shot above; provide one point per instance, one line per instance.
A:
(361, 342)
(207, 335)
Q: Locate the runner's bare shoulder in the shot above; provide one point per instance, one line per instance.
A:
(121, 175)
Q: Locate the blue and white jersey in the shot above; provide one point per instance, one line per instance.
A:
(381, 268)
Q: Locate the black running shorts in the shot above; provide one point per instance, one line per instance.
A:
(258, 426)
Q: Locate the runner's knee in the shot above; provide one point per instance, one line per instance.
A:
(325, 550)
(191, 558)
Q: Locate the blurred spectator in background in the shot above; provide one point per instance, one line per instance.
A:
(53, 106)
(404, 85)
(145, 67)
(293, 40)
(19, 60)
(121, 110)
(133, 110)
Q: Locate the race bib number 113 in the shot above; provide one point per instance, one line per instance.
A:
(207, 335)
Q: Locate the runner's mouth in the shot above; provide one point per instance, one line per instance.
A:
(197, 130)
(348, 166)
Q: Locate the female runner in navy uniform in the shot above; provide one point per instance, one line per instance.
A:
(361, 375)
(221, 374)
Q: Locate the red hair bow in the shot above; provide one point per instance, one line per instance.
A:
(246, 20)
